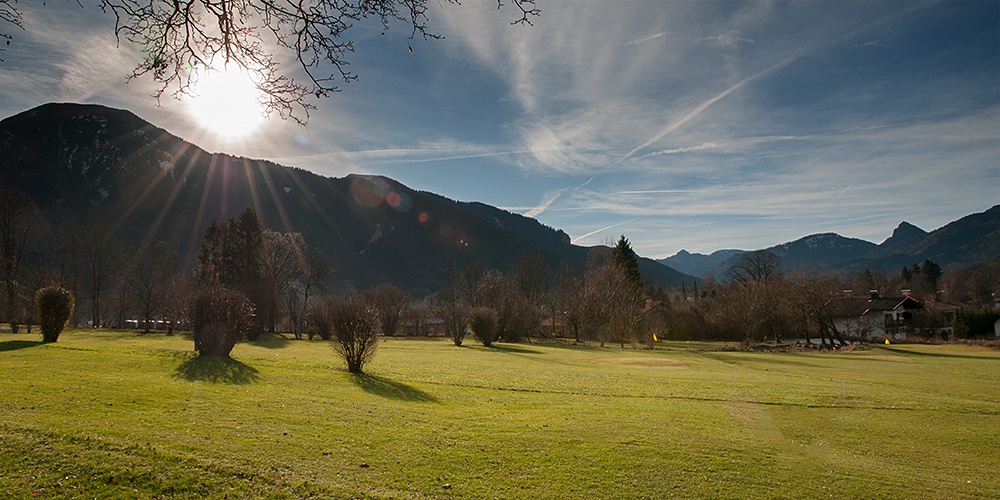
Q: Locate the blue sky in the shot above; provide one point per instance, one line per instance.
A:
(682, 125)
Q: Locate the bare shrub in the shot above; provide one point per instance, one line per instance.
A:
(484, 324)
(391, 304)
(55, 306)
(220, 317)
(355, 329)
(448, 305)
(320, 316)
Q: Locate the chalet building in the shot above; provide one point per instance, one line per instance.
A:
(873, 317)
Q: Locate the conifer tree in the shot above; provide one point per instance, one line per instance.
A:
(626, 258)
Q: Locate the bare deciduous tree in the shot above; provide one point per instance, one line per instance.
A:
(316, 274)
(614, 302)
(809, 297)
(20, 221)
(149, 281)
(282, 263)
(517, 317)
(570, 299)
(417, 321)
(758, 266)
(533, 278)
(390, 302)
(447, 305)
(99, 268)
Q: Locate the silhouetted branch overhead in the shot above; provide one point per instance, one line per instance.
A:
(180, 39)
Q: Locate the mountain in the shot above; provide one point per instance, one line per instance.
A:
(970, 240)
(108, 171)
(697, 264)
(820, 250)
(905, 235)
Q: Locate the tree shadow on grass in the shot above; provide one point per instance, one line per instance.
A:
(511, 349)
(389, 389)
(934, 354)
(14, 345)
(271, 341)
(216, 371)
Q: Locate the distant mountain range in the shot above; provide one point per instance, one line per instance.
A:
(970, 240)
(103, 169)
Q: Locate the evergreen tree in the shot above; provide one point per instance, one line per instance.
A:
(211, 255)
(626, 258)
(931, 272)
(246, 242)
(231, 253)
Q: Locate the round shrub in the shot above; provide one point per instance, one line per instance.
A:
(220, 317)
(484, 324)
(55, 306)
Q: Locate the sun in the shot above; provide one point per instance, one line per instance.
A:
(226, 102)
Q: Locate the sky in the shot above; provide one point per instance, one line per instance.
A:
(697, 125)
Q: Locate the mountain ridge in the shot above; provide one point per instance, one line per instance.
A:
(972, 239)
(104, 168)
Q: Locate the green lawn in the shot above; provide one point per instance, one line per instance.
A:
(119, 415)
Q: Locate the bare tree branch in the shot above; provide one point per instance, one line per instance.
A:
(9, 14)
(181, 39)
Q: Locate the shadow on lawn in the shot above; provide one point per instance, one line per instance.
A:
(216, 371)
(271, 341)
(513, 349)
(389, 389)
(14, 345)
(934, 354)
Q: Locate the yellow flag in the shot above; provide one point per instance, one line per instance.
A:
(655, 339)
(886, 341)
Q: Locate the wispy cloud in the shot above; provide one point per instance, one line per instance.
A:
(703, 125)
(727, 39)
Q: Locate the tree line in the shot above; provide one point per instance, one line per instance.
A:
(284, 285)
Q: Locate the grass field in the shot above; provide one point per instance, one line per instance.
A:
(118, 415)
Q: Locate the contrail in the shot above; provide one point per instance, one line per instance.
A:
(847, 36)
(552, 196)
(547, 200)
(705, 105)
(844, 191)
(578, 238)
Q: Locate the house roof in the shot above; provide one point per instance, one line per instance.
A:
(859, 306)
